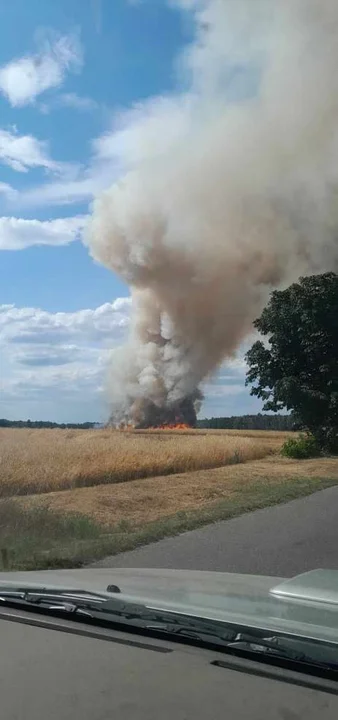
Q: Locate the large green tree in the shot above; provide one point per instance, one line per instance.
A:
(297, 366)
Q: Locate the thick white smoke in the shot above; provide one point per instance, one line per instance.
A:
(228, 190)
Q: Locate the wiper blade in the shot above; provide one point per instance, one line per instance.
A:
(294, 649)
(268, 645)
(208, 633)
(238, 641)
(52, 599)
(96, 607)
(117, 611)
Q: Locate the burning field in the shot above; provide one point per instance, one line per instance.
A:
(146, 414)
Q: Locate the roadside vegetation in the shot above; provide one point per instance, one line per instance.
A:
(301, 447)
(77, 525)
(41, 538)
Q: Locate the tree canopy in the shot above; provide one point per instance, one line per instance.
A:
(296, 367)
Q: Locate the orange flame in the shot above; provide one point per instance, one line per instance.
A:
(169, 426)
(174, 426)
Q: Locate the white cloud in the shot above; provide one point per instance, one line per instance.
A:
(80, 186)
(21, 152)
(53, 364)
(18, 234)
(222, 391)
(71, 100)
(77, 102)
(25, 152)
(7, 190)
(36, 326)
(83, 188)
(24, 78)
(225, 405)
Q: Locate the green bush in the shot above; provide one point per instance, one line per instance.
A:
(300, 448)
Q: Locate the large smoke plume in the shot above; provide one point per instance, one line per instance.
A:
(228, 189)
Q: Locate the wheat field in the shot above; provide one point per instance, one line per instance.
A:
(68, 497)
(43, 461)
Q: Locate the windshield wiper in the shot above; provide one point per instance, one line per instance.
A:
(53, 599)
(93, 606)
(241, 643)
(114, 611)
(294, 649)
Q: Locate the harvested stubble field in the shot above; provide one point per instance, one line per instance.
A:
(69, 496)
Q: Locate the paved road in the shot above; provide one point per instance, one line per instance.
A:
(283, 540)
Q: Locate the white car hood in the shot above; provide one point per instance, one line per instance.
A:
(242, 599)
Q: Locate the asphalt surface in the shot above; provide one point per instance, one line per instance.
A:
(283, 541)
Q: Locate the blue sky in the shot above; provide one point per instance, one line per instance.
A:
(67, 70)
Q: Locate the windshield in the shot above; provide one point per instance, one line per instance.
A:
(169, 305)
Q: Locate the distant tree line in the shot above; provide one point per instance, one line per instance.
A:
(46, 424)
(250, 422)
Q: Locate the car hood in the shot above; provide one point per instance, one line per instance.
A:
(304, 606)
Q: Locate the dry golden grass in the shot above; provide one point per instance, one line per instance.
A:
(42, 461)
(278, 436)
(69, 497)
(143, 501)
